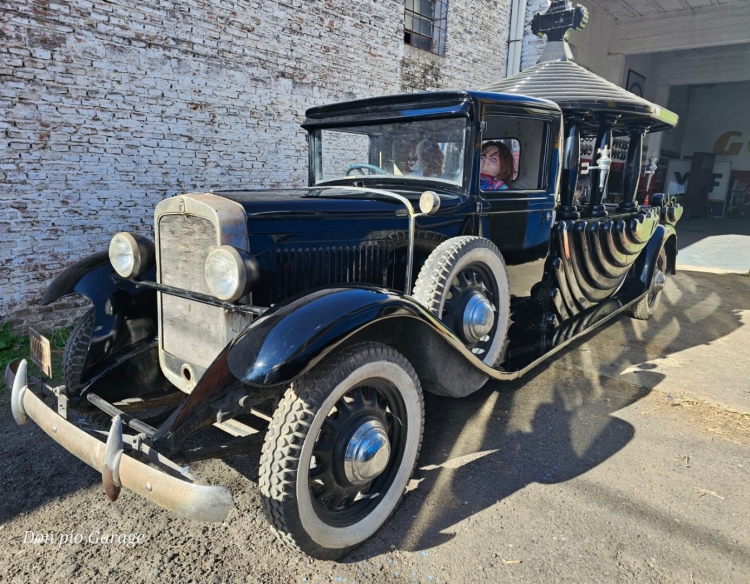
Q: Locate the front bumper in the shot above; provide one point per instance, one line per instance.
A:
(179, 495)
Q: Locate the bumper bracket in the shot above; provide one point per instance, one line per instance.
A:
(19, 386)
(112, 456)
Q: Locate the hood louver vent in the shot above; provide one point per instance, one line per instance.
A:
(297, 270)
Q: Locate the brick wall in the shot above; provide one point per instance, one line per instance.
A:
(106, 107)
(532, 44)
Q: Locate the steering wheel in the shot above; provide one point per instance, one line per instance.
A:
(361, 167)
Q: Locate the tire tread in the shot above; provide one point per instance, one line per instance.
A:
(432, 279)
(282, 447)
(74, 354)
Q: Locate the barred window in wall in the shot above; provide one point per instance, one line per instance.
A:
(425, 24)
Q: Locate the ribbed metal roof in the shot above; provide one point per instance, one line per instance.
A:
(577, 90)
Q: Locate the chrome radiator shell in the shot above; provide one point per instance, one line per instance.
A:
(191, 334)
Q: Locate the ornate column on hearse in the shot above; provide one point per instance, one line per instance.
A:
(594, 248)
(569, 176)
(600, 173)
(633, 169)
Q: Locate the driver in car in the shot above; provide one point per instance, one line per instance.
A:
(430, 158)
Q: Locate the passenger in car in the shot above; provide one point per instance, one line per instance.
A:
(497, 167)
(430, 158)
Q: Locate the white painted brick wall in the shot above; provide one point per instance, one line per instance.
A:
(532, 44)
(108, 107)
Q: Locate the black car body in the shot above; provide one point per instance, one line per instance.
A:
(345, 280)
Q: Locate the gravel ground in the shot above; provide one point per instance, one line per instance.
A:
(539, 482)
(567, 475)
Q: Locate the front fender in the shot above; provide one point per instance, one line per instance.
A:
(124, 316)
(291, 338)
(287, 341)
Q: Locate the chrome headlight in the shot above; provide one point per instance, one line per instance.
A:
(230, 272)
(131, 255)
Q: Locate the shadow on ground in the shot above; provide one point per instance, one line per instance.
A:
(554, 424)
(557, 422)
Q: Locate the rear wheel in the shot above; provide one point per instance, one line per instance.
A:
(74, 354)
(340, 450)
(647, 305)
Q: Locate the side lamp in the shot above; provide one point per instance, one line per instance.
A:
(429, 202)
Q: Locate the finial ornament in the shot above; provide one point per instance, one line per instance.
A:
(603, 162)
(559, 20)
(650, 169)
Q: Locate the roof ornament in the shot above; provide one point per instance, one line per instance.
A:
(557, 23)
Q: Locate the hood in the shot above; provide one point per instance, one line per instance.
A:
(310, 202)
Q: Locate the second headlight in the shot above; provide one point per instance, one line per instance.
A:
(230, 272)
(130, 254)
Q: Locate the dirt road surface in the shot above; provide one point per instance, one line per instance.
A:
(611, 463)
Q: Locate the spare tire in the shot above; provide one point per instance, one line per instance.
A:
(464, 283)
(76, 349)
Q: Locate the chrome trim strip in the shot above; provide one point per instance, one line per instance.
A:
(230, 306)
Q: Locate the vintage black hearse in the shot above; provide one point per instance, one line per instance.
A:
(311, 320)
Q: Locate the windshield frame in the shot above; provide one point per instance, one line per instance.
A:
(403, 183)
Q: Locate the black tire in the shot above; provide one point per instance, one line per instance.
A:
(645, 308)
(74, 355)
(304, 483)
(457, 270)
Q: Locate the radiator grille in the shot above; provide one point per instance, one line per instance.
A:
(296, 270)
(192, 331)
(184, 244)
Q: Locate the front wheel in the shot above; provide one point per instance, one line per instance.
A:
(341, 449)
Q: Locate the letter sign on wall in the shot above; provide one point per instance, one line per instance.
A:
(723, 148)
(720, 181)
(678, 174)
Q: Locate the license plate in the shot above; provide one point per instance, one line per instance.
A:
(41, 352)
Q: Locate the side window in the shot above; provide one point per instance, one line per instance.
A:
(512, 154)
(499, 164)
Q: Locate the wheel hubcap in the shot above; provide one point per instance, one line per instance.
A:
(469, 307)
(478, 318)
(367, 453)
(659, 281)
(357, 452)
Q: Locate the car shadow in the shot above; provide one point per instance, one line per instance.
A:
(547, 428)
(550, 426)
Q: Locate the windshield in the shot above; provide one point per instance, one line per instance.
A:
(408, 150)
